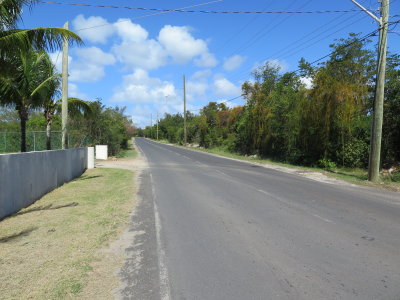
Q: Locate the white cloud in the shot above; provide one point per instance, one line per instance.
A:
(95, 55)
(223, 87)
(97, 34)
(89, 65)
(136, 50)
(130, 32)
(201, 75)
(174, 44)
(139, 87)
(206, 60)
(56, 58)
(141, 115)
(198, 85)
(233, 62)
(196, 89)
(73, 91)
(180, 44)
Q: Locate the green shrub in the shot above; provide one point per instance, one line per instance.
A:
(326, 164)
(355, 154)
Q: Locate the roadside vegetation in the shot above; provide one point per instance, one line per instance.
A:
(30, 93)
(49, 249)
(319, 117)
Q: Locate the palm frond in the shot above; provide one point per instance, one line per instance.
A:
(49, 38)
(44, 83)
(76, 106)
(10, 11)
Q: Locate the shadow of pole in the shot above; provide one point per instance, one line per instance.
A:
(20, 234)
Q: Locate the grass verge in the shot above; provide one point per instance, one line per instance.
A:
(130, 153)
(351, 175)
(48, 249)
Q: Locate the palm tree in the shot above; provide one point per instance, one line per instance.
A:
(25, 86)
(20, 82)
(12, 39)
(52, 107)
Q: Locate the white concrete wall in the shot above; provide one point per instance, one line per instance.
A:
(26, 177)
(90, 164)
(101, 152)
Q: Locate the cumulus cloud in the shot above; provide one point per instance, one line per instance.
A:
(174, 44)
(141, 115)
(196, 89)
(223, 87)
(180, 44)
(201, 75)
(89, 65)
(206, 60)
(139, 87)
(135, 49)
(98, 34)
(233, 62)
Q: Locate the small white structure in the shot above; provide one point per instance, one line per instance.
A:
(102, 152)
(90, 163)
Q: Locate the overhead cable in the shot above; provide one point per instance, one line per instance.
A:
(199, 11)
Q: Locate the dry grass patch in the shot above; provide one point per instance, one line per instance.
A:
(48, 250)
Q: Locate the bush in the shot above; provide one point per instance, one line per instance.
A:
(326, 164)
(355, 154)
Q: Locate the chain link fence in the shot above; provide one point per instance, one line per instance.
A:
(10, 142)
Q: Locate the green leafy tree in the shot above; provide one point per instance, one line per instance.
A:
(391, 120)
(24, 88)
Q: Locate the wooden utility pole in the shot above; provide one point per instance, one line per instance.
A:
(376, 129)
(64, 104)
(157, 125)
(151, 126)
(184, 111)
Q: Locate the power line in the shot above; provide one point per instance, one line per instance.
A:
(266, 29)
(146, 16)
(302, 41)
(372, 33)
(199, 11)
(291, 51)
(216, 101)
(233, 36)
(294, 51)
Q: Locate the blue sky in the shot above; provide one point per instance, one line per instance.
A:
(137, 58)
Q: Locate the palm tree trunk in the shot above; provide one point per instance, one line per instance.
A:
(48, 135)
(23, 116)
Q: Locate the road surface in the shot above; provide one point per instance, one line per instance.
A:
(214, 228)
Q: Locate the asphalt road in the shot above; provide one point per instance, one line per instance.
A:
(214, 228)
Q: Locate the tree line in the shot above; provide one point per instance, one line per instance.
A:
(30, 86)
(326, 123)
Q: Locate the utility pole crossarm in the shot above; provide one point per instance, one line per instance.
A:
(379, 20)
